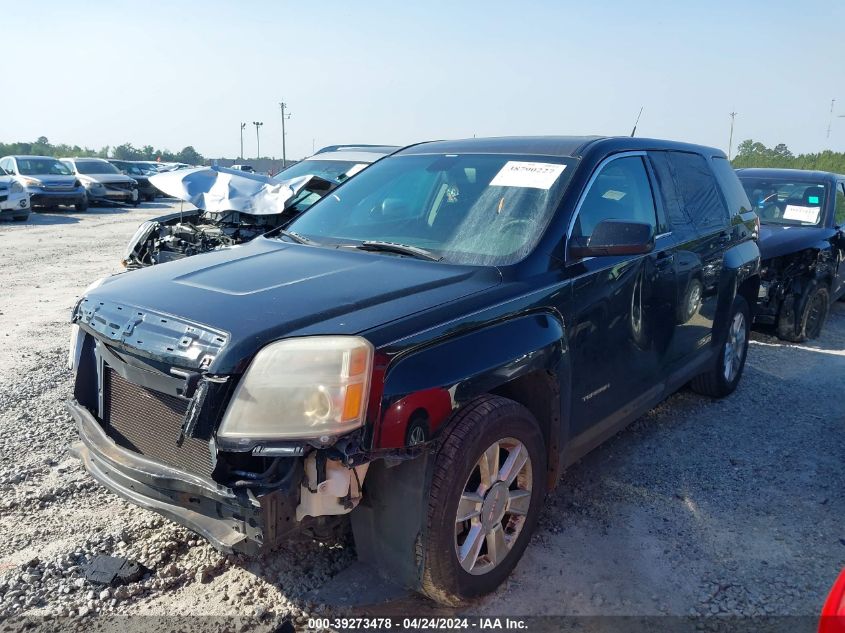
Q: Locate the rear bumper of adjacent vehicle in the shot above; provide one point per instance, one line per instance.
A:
(232, 520)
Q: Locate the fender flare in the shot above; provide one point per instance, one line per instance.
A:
(445, 374)
(740, 264)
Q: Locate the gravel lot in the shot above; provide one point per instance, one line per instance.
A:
(700, 507)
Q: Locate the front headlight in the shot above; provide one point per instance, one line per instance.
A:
(16, 187)
(93, 184)
(303, 388)
(32, 182)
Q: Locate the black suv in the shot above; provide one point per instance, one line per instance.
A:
(802, 247)
(423, 351)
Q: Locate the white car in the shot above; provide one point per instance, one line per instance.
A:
(103, 181)
(14, 198)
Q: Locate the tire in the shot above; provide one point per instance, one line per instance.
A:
(459, 467)
(719, 382)
(814, 305)
(20, 218)
(81, 207)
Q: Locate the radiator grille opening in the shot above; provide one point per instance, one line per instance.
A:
(149, 423)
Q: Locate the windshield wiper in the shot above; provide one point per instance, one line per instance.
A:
(296, 237)
(401, 249)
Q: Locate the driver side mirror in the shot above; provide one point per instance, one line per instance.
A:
(615, 237)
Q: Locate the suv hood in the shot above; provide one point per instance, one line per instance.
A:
(52, 180)
(776, 240)
(245, 297)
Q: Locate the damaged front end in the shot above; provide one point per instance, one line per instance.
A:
(223, 221)
(148, 408)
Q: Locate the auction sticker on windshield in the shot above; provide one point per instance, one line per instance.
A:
(802, 214)
(523, 174)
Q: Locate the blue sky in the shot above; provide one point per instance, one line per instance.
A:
(171, 74)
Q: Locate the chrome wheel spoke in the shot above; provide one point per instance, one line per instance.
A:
(497, 546)
(513, 464)
(489, 466)
(519, 502)
(469, 506)
(468, 553)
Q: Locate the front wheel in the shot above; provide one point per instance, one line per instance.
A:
(807, 324)
(485, 497)
(81, 207)
(723, 378)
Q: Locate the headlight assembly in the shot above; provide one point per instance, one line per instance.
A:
(302, 388)
(32, 182)
(16, 187)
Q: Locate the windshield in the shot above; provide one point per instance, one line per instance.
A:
(480, 209)
(791, 202)
(334, 170)
(42, 167)
(95, 167)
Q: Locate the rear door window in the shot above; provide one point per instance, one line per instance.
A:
(699, 191)
(839, 214)
(679, 221)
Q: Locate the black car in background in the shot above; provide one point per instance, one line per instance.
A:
(138, 172)
(423, 351)
(802, 246)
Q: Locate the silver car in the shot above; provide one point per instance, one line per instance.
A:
(103, 181)
(49, 181)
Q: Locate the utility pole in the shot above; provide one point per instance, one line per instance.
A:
(285, 115)
(243, 125)
(830, 121)
(258, 125)
(731, 137)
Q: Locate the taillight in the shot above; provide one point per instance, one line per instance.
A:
(832, 619)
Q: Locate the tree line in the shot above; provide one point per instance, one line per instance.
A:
(751, 153)
(43, 147)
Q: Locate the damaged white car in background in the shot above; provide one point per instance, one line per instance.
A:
(232, 207)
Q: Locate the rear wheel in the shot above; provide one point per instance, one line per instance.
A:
(723, 378)
(485, 497)
(803, 318)
(81, 207)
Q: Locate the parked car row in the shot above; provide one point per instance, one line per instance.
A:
(423, 351)
(48, 182)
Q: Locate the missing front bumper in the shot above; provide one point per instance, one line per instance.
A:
(233, 521)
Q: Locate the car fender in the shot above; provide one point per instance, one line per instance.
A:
(740, 271)
(444, 375)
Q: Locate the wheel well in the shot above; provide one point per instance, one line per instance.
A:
(539, 393)
(748, 290)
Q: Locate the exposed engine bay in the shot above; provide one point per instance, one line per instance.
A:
(794, 292)
(188, 233)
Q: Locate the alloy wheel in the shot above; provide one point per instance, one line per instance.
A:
(734, 347)
(493, 506)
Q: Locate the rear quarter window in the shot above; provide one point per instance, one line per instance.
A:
(732, 188)
(699, 191)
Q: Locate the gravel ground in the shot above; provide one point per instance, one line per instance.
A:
(700, 507)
